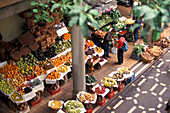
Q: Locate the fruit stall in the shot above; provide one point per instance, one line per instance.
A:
(41, 57)
(96, 92)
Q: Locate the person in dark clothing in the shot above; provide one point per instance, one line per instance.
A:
(136, 31)
(107, 39)
(106, 44)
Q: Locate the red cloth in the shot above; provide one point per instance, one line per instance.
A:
(120, 42)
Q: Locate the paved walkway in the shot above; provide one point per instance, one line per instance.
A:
(149, 94)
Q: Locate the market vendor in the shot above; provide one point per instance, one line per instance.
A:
(106, 44)
(118, 42)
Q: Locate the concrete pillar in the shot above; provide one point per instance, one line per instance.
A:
(149, 38)
(78, 60)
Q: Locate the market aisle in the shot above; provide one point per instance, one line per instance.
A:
(149, 93)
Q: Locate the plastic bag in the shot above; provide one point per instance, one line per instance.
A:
(114, 50)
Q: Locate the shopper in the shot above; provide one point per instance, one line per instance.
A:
(136, 31)
(119, 43)
(106, 44)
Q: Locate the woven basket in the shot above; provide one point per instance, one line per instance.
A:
(145, 60)
(15, 54)
(48, 40)
(34, 46)
(155, 55)
(164, 45)
(26, 38)
(25, 14)
(30, 22)
(157, 43)
(44, 48)
(25, 51)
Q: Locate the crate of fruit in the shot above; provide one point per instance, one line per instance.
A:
(85, 97)
(100, 90)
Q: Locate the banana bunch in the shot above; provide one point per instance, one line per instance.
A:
(108, 82)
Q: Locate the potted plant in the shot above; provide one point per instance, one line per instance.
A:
(42, 13)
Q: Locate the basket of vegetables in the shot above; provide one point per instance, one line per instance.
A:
(146, 57)
(155, 51)
(165, 42)
(137, 51)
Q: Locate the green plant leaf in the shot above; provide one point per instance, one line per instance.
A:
(34, 3)
(134, 26)
(73, 20)
(145, 31)
(94, 12)
(82, 19)
(165, 2)
(165, 19)
(73, 12)
(163, 11)
(81, 0)
(52, 1)
(46, 5)
(55, 6)
(35, 10)
(95, 24)
(41, 4)
(152, 13)
(75, 2)
(90, 17)
(139, 11)
(87, 7)
(30, 14)
(37, 17)
(35, 21)
(84, 29)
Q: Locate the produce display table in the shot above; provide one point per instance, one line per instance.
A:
(99, 34)
(110, 95)
(55, 91)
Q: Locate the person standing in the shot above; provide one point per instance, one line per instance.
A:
(106, 44)
(138, 21)
(119, 44)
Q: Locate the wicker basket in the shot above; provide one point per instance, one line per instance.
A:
(26, 38)
(34, 46)
(164, 45)
(44, 48)
(15, 54)
(145, 60)
(25, 14)
(157, 43)
(30, 22)
(156, 55)
(25, 51)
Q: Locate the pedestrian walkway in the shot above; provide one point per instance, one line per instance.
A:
(149, 93)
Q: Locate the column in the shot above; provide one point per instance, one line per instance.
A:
(78, 60)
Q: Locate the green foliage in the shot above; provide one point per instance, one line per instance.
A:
(79, 15)
(41, 11)
(138, 49)
(155, 12)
